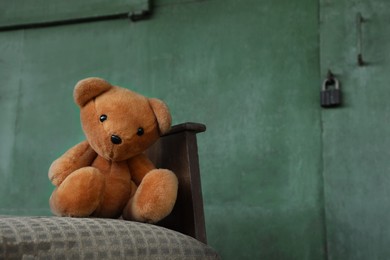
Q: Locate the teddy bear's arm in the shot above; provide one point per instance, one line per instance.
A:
(78, 156)
(139, 166)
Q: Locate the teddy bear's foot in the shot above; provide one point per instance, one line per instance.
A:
(154, 198)
(79, 194)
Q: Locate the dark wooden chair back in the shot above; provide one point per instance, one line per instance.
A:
(178, 151)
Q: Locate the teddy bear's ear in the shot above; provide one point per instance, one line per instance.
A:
(162, 114)
(89, 88)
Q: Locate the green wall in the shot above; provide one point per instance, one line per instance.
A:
(356, 137)
(249, 70)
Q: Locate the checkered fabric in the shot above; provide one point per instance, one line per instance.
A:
(89, 238)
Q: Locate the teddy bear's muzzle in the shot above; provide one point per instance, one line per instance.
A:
(116, 139)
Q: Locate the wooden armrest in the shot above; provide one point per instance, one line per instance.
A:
(178, 151)
(188, 126)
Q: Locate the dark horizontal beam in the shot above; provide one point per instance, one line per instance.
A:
(132, 16)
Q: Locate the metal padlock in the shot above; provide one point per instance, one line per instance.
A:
(330, 93)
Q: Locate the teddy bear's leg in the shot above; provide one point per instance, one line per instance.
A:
(79, 194)
(154, 198)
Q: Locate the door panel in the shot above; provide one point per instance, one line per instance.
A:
(356, 136)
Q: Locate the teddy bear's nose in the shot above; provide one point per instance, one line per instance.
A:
(116, 139)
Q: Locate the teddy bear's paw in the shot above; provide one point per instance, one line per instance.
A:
(154, 198)
(79, 194)
(75, 158)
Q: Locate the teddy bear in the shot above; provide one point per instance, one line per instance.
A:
(108, 175)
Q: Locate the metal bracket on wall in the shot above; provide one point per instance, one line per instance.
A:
(359, 21)
(139, 10)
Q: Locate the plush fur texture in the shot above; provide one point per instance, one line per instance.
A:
(108, 175)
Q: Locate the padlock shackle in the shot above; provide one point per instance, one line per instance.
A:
(330, 82)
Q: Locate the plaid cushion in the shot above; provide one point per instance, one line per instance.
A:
(90, 238)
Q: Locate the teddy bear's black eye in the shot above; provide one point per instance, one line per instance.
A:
(103, 118)
(140, 131)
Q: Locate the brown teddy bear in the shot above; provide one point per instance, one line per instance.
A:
(108, 175)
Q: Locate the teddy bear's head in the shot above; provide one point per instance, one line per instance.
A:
(117, 122)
